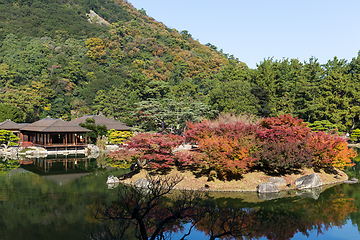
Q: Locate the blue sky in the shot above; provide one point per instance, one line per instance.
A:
(256, 30)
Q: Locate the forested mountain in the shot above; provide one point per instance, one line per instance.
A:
(57, 61)
(53, 61)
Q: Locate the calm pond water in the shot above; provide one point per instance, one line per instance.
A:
(52, 199)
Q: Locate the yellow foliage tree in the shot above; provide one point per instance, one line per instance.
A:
(97, 50)
(118, 137)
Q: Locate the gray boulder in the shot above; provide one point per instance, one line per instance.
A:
(278, 181)
(111, 180)
(308, 181)
(267, 188)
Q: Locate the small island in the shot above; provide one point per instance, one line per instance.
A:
(238, 156)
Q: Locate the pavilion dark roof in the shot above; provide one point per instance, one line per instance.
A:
(101, 120)
(9, 125)
(53, 125)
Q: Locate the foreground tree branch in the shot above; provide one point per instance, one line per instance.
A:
(154, 210)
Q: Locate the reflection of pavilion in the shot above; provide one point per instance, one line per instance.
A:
(56, 165)
(58, 169)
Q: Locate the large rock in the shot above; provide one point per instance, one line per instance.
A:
(93, 17)
(111, 180)
(278, 181)
(308, 181)
(267, 188)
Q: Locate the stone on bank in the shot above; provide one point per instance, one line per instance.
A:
(308, 181)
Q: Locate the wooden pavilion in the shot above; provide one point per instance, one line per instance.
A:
(54, 133)
(10, 126)
(101, 120)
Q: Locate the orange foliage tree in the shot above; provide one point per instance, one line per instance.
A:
(289, 142)
(279, 143)
(226, 148)
(330, 150)
(284, 143)
(156, 149)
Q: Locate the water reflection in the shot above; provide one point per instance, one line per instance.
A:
(39, 204)
(275, 219)
(56, 164)
(32, 207)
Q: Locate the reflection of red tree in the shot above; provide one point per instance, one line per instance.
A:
(332, 212)
(278, 222)
(225, 223)
(320, 215)
(26, 162)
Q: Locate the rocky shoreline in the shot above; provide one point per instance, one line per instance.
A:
(307, 183)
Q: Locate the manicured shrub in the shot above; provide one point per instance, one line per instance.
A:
(225, 148)
(8, 138)
(282, 128)
(156, 148)
(284, 143)
(197, 131)
(228, 150)
(355, 135)
(287, 155)
(323, 125)
(119, 137)
(227, 156)
(330, 150)
(287, 143)
(26, 144)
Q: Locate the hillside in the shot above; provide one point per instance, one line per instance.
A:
(55, 62)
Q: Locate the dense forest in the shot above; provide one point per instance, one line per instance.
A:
(57, 61)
